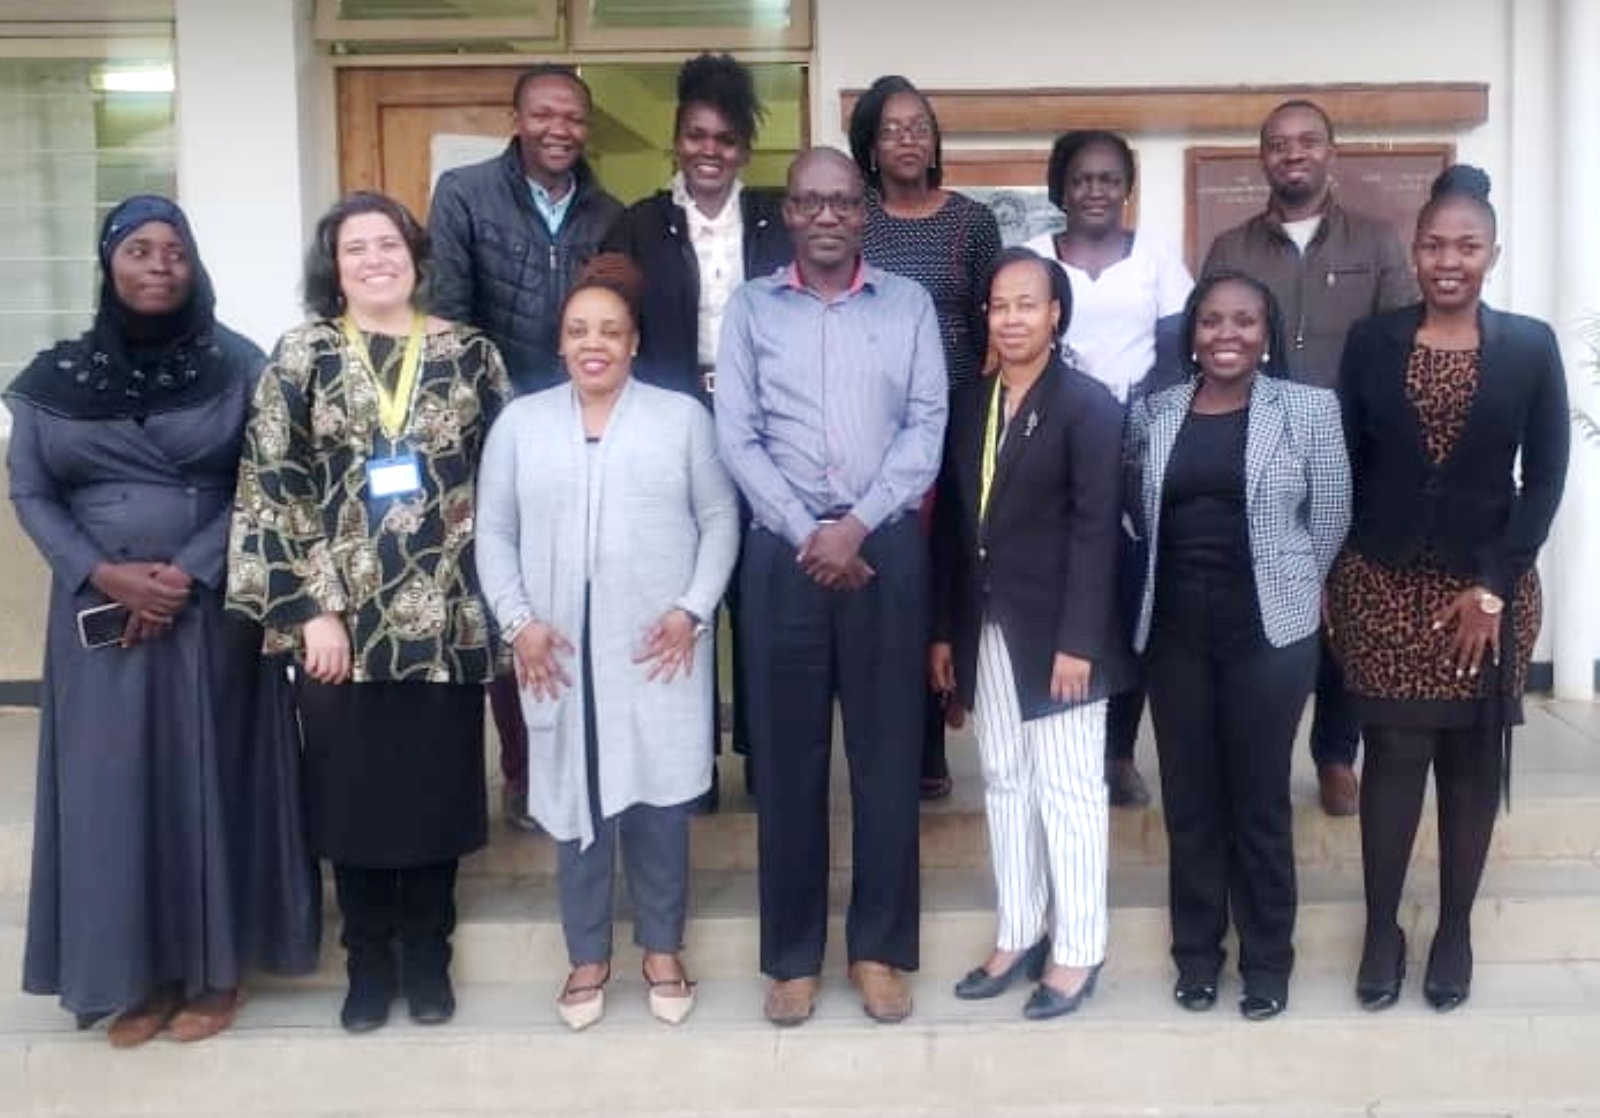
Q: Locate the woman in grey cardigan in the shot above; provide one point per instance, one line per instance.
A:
(607, 531)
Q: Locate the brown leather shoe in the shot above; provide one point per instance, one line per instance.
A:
(883, 992)
(206, 1016)
(1339, 790)
(142, 1023)
(791, 1002)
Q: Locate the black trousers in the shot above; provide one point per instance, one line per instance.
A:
(1225, 728)
(1335, 730)
(805, 646)
(416, 905)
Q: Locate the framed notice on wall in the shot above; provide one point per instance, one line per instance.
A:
(1223, 186)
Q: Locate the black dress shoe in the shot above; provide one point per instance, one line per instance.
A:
(1046, 1001)
(430, 997)
(1195, 995)
(1260, 1007)
(980, 984)
(1378, 994)
(366, 1003)
(1448, 984)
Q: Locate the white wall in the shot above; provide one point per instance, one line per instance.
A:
(240, 153)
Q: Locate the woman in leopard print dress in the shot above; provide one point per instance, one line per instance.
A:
(1434, 604)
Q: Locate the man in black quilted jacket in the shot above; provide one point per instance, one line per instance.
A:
(509, 235)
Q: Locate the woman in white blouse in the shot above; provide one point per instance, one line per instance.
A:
(1123, 282)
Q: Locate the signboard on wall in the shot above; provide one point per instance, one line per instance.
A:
(1223, 186)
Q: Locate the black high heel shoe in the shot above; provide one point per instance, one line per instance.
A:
(979, 984)
(1378, 995)
(1447, 992)
(1046, 1001)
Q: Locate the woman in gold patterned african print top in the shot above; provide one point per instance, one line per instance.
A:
(352, 538)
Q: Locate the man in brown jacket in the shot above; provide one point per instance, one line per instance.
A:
(1327, 266)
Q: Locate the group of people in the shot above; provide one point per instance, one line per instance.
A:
(538, 448)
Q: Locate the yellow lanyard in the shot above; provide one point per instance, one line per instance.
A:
(394, 408)
(991, 449)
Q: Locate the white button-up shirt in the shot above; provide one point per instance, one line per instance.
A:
(719, 248)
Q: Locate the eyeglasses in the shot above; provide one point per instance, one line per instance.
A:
(843, 205)
(893, 132)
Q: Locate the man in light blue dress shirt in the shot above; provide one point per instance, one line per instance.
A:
(831, 405)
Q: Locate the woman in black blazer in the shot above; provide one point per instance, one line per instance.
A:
(1244, 496)
(1434, 603)
(706, 233)
(1027, 634)
(695, 242)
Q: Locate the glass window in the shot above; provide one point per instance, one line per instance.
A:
(76, 137)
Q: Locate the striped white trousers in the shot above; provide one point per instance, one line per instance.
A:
(1045, 797)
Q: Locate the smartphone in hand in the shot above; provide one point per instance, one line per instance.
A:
(102, 626)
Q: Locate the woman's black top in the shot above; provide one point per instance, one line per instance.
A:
(1205, 581)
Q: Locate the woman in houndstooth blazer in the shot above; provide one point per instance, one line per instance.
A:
(1243, 491)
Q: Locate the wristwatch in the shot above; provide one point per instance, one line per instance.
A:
(1492, 604)
(701, 627)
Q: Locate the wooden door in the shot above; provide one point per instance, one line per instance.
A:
(388, 121)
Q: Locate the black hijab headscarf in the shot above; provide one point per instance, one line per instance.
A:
(131, 365)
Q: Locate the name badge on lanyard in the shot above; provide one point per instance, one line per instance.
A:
(399, 475)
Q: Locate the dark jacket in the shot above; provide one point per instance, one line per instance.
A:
(1469, 511)
(655, 232)
(1353, 267)
(1043, 566)
(497, 266)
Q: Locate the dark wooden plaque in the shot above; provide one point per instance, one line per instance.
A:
(1223, 186)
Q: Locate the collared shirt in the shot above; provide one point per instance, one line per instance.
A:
(719, 249)
(825, 403)
(552, 209)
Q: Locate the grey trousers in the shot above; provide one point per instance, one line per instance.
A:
(655, 861)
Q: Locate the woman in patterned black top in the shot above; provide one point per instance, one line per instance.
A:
(943, 240)
(352, 536)
(1456, 419)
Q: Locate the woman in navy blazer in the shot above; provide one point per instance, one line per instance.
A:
(1244, 495)
(1027, 633)
(1456, 420)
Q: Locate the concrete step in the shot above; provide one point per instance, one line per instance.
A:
(1525, 1041)
(1555, 812)
(509, 930)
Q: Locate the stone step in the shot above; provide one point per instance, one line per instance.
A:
(509, 930)
(1555, 811)
(1524, 1044)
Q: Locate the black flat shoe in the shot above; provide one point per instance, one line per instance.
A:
(1375, 995)
(980, 984)
(1195, 996)
(1446, 992)
(1260, 1007)
(1046, 1001)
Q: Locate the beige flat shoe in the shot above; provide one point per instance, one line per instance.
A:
(579, 1015)
(671, 999)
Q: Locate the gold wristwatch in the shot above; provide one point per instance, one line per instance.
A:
(1492, 604)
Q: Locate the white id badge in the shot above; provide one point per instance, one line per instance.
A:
(399, 476)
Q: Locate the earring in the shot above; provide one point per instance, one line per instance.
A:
(873, 160)
(1266, 358)
(1194, 357)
